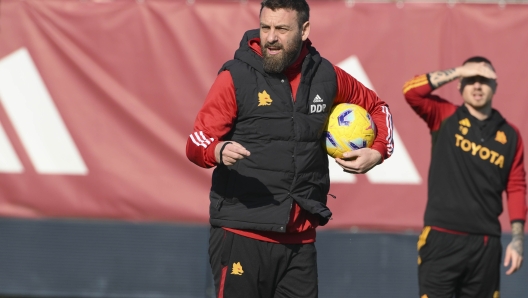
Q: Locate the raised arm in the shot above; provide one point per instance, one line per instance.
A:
(441, 77)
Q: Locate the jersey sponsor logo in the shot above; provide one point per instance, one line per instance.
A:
(264, 99)
(199, 139)
(478, 150)
(35, 120)
(237, 269)
(501, 137)
(399, 169)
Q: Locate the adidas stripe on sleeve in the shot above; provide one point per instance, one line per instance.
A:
(199, 139)
(431, 108)
(213, 121)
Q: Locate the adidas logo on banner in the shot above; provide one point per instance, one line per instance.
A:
(36, 121)
(317, 98)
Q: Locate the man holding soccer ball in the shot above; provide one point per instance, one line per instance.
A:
(476, 156)
(261, 127)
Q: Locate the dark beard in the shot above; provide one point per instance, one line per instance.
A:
(278, 63)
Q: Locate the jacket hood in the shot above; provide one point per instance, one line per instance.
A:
(246, 54)
(493, 122)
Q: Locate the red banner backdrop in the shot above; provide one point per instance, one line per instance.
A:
(98, 98)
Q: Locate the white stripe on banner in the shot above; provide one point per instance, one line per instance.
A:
(9, 162)
(35, 117)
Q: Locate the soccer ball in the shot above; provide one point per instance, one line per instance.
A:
(349, 127)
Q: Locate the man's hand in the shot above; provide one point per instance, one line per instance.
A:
(512, 256)
(232, 151)
(472, 69)
(359, 161)
(514, 251)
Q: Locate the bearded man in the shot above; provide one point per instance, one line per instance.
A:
(259, 128)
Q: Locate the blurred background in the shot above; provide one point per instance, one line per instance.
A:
(97, 99)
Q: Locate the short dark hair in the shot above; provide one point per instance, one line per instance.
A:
(478, 59)
(300, 6)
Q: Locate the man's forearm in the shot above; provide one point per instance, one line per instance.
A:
(441, 77)
(518, 237)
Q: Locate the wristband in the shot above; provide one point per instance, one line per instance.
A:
(222, 151)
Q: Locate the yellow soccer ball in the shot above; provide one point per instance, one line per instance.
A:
(349, 127)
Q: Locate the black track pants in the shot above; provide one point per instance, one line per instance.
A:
(461, 266)
(245, 267)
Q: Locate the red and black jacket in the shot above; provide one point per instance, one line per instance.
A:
(472, 163)
(227, 115)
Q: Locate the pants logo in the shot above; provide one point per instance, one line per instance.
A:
(237, 269)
